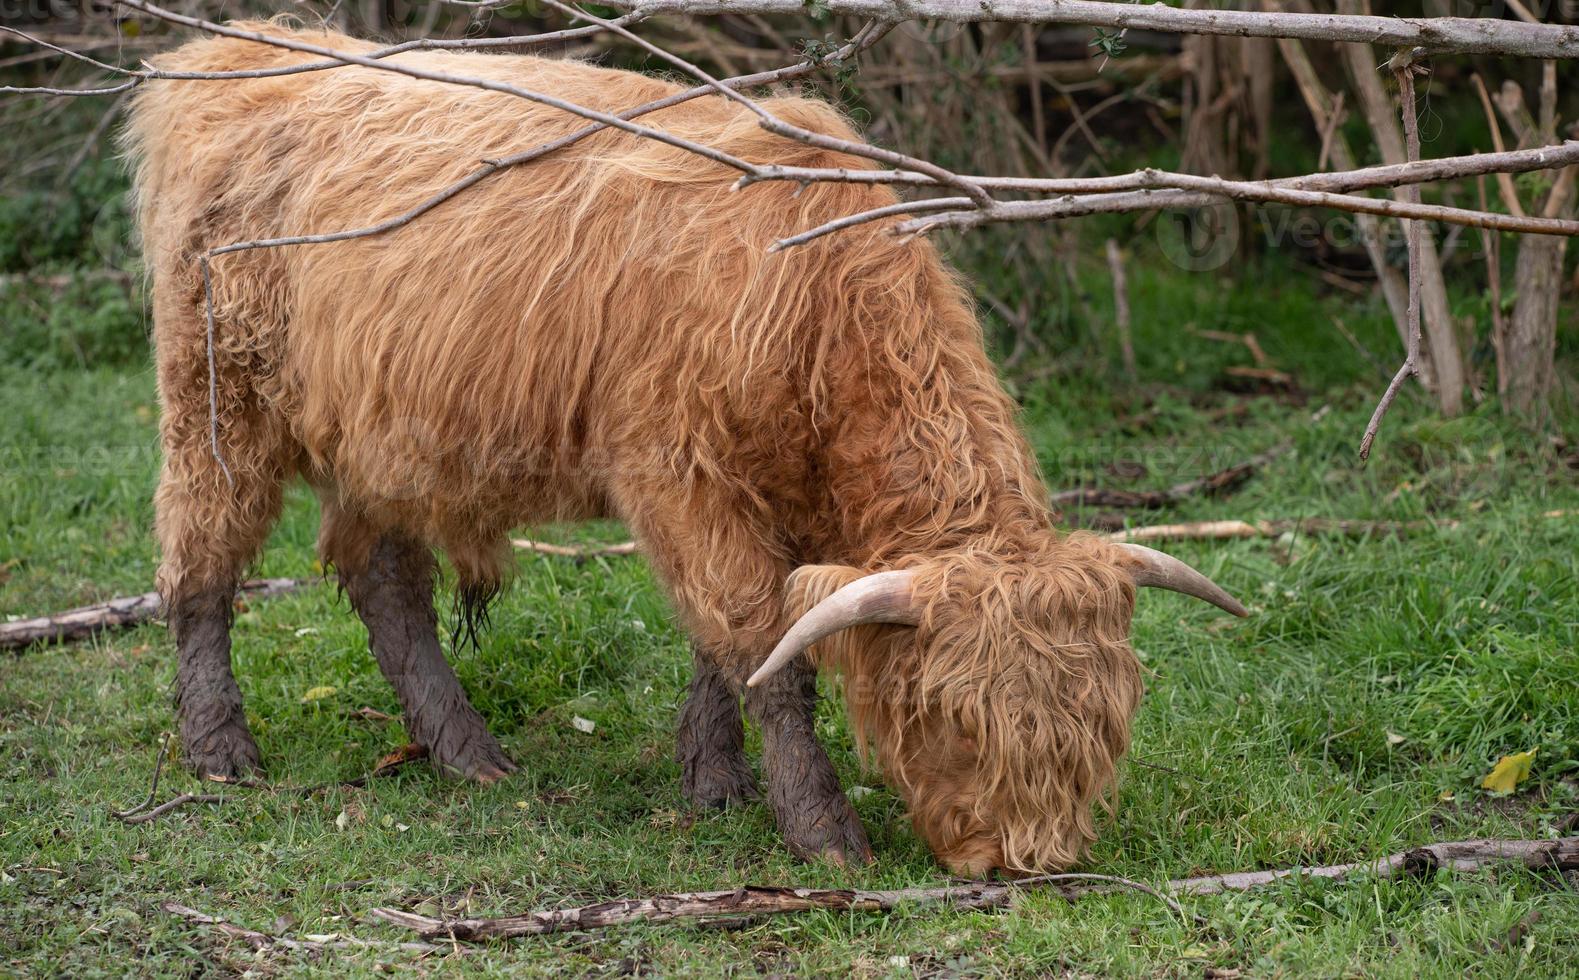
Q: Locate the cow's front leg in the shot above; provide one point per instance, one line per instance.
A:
(393, 593)
(812, 812)
(710, 742)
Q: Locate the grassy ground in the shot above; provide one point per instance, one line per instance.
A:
(1353, 715)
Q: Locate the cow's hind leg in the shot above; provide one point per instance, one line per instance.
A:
(212, 514)
(710, 741)
(391, 588)
(209, 530)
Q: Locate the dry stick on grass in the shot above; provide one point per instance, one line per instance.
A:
(146, 812)
(1212, 484)
(1404, 68)
(1234, 529)
(754, 900)
(263, 941)
(76, 624)
(571, 551)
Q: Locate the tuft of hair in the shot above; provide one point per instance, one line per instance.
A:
(470, 612)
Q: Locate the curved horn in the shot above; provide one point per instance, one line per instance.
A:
(1164, 571)
(883, 597)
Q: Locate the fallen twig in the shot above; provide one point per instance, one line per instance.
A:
(756, 900)
(146, 812)
(264, 941)
(1465, 855)
(1219, 530)
(119, 613)
(572, 551)
(175, 803)
(1213, 484)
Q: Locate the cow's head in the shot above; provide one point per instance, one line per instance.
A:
(995, 689)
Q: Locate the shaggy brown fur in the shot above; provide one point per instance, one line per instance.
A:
(604, 332)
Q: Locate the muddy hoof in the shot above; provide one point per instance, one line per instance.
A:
(479, 759)
(224, 752)
(719, 783)
(839, 841)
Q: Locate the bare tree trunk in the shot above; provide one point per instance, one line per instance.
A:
(1526, 368)
(1442, 362)
(1527, 371)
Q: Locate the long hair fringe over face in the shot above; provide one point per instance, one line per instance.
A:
(1002, 717)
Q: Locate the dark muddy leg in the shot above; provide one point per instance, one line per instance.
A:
(394, 596)
(710, 742)
(813, 815)
(214, 736)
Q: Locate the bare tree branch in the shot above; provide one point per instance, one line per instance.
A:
(1464, 35)
(1404, 71)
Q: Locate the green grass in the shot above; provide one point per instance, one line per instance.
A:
(1353, 715)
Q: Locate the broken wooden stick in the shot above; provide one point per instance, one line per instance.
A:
(758, 900)
(1222, 530)
(264, 941)
(577, 552)
(1213, 484)
(119, 613)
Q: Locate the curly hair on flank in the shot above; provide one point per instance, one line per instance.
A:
(605, 333)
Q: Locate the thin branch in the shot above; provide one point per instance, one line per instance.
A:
(169, 806)
(779, 127)
(1404, 72)
(1190, 190)
(1392, 175)
(416, 44)
(487, 84)
(873, 214)
(756, 900)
